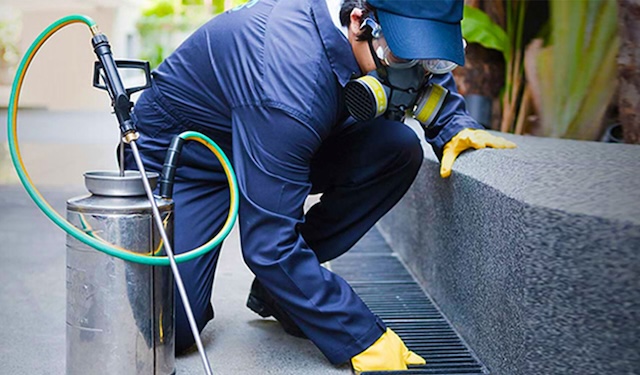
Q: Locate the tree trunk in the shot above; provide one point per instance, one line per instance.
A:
(483, 72)
(629, 69)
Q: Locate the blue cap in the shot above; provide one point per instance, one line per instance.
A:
(422, 29)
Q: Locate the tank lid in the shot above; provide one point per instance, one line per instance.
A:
(110, 183)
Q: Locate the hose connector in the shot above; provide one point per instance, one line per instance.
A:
(130, 136)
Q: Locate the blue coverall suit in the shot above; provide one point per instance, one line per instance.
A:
(265, 82)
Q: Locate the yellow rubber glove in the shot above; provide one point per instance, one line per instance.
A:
(388, 353)
(466, 139)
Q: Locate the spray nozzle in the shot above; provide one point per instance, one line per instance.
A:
(107, 77)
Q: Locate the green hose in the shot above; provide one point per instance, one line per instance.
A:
(61, 221)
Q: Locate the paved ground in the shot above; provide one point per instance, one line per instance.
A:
(57, 149)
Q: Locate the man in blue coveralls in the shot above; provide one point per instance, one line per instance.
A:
(266, 81)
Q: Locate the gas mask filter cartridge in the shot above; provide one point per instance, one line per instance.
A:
(366, 98)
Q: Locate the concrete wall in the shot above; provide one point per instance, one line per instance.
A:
(532, 253)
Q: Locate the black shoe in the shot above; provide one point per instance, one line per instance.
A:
(261, 302)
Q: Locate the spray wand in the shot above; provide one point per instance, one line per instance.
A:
(122, 107)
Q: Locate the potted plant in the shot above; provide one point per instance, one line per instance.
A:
(573, 73)
(478, 27)
(570, 68)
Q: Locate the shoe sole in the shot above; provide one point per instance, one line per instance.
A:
(258, 306)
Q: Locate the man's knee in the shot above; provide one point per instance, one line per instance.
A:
(407, 150)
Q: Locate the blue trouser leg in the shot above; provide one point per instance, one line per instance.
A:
(200, 211)
(201, 203)
(274, 158)
(362, 175)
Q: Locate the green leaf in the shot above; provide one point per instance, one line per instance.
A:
(159, 8)
(477, 27)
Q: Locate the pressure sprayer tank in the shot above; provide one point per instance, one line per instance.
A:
(120, 315)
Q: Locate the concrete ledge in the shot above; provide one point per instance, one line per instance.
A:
(533, 253)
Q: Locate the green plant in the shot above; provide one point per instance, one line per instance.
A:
(577, 69)
(164, 24)
(477, 27)
(571, 76)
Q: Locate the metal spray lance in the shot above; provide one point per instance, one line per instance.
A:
(122, 107)
(113, 303)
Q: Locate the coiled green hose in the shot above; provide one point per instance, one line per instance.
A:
(61, 221)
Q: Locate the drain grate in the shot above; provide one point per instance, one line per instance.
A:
(367, 268)
(384, 284)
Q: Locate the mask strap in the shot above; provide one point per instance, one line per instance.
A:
(380, 69)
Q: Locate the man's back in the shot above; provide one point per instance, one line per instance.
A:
(269, 54)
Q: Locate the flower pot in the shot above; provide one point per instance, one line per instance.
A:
(613, 134)
(479, 107)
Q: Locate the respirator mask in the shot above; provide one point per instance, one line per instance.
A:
(397, 86)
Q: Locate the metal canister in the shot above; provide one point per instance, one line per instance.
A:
(120, 315)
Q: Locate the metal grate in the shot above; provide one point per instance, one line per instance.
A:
(385, 285)
(372, 243)
(363, 268)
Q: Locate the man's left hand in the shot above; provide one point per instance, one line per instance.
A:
(466, 139)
